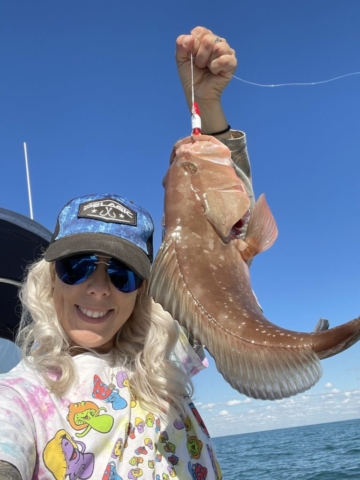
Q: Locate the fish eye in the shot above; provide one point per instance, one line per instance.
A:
(189, 167)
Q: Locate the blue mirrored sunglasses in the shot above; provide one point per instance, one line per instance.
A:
(78, 268)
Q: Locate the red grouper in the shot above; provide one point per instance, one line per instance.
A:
(201, 277)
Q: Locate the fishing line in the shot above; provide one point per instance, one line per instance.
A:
(192, 81)
(195, 111)
(296, 84)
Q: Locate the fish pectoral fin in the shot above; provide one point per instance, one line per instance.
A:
(224, 208)
(167, 287)
(261, 232)
(165, 283)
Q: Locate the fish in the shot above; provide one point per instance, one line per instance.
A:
(201, 277)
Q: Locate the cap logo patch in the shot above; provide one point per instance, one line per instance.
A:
(108, 210)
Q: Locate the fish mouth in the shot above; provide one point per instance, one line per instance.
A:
(238, 228)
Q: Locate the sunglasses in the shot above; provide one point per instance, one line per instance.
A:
(78, 268)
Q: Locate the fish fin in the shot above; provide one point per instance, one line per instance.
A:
(261, 232)
(165, 279)
(322, 325)
(224, 208)
(327, 343)
(263, 372)
(258, 371)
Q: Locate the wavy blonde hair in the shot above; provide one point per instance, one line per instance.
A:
(143, 345)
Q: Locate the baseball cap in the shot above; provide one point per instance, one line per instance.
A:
(106, 224)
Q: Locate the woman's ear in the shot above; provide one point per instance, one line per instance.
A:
(142, 290)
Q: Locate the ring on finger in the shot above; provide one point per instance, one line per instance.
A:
(217, 40)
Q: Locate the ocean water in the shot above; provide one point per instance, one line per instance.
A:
(329, 451)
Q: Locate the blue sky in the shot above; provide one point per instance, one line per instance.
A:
(92, 88)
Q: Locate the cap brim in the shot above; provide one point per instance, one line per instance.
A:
(124, 251)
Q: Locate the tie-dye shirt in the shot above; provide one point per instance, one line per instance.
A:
(98, 431)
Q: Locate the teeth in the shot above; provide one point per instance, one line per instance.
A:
(93, 313)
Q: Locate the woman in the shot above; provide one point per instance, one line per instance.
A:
(104, 387)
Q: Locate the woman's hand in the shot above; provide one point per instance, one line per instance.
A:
(214, 65)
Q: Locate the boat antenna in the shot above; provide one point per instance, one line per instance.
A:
(28, 181)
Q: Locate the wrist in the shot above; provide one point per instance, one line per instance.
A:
(220, 133)
(213, 119)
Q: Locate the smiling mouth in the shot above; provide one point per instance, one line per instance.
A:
(74, 454)
(94, 314)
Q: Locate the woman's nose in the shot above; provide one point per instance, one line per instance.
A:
(99, 282)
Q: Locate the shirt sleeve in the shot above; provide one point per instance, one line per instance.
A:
(17, 439)
(239, 154)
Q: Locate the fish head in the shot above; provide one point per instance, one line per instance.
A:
(202, 169)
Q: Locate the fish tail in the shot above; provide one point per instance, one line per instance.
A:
(335, 340)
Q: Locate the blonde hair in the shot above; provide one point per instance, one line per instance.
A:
(143, 345)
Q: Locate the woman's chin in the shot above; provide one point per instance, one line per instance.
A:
(91, 341)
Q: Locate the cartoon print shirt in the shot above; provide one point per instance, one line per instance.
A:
(98, 431)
